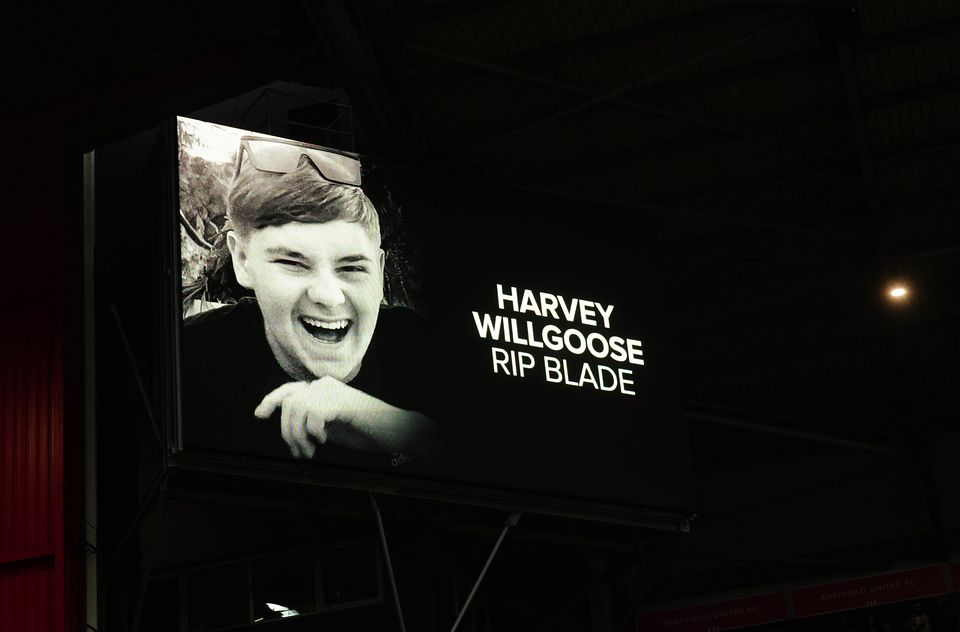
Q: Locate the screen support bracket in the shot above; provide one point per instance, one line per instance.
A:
(386, 557)
(511, 521)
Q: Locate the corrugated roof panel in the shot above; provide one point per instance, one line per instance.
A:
(885, 130)
(612, 130)
(878, 123)
(617, 185)
(925, 174)
(723, 45)
(869, 18)
(598, 18)
(550, 23)
(640, 57)
(565, 139)
(886, 16)
(565, 22)
(926, 67)
(744, 101)
(497, 91)
(814, 93)
(881, 81)
(438, 116)
(626, 131)
(768, 103)
(871, 78)
(568, 28)
(783, 96)
(675, 176)
(480, 38)
(930, 119)
(646, 177)
(517, 29)
(583, 73)
(888, 71)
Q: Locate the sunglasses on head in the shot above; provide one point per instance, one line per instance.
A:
(284, 156)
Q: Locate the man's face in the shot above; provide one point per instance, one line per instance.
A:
(319, 287)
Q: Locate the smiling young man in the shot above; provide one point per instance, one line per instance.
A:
(315, 363)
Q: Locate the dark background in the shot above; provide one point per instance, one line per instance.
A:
(798, 154)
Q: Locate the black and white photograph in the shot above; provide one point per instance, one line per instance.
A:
(285, 313)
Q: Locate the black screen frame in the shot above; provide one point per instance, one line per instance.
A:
(434, 488)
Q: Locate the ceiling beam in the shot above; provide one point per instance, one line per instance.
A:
(454, 73)
(641, 150)
(562, 168)
(451, 73)
(819, 114)
(720, 78)
(741, 423)
(749, 184)
(657, 210)
(801, 59)
(593, 98)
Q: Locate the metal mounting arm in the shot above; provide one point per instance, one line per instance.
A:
(511, 521)
(386, 557)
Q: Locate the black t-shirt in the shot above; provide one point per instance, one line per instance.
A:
(227, 367)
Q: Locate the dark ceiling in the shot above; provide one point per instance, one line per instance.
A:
(800, 157)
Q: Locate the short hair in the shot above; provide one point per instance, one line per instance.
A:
(258, 199)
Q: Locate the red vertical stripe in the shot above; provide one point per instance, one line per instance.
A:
(31, 497)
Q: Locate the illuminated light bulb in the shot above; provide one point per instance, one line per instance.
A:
(898, 292)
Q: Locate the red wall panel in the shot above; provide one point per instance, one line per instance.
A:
(25, 469)
(24, 590)
(32, 588)
(40, 314)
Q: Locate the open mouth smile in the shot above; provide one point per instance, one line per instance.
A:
(331, 331)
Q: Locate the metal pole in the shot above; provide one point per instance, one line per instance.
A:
(92, 572)
(386, 556)
(512, 521)
(153, 495)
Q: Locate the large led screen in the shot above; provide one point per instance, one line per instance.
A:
(386, 316)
